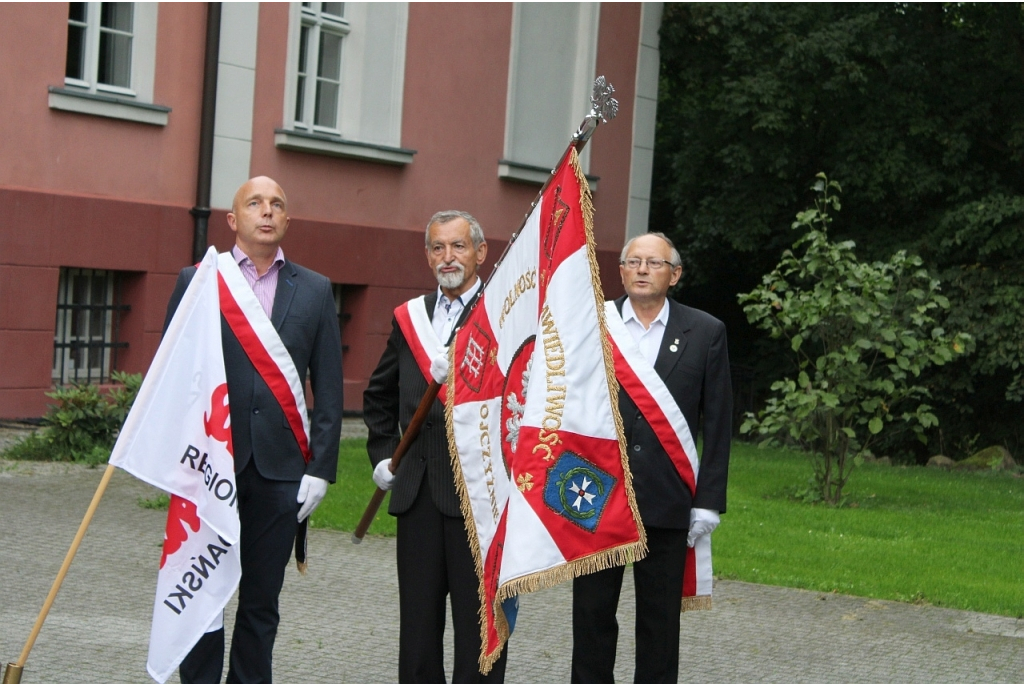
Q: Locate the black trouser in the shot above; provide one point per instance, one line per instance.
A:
(658, 581)
(434, 560)
(268, 511)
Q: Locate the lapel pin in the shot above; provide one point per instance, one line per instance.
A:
(674, 347)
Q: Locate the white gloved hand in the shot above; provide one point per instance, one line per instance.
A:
(311, 491)
(439, 365)
(702, 522)
(382, 475)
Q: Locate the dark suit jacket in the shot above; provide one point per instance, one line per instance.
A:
(389, 401)
(307, 322)
(697, 375)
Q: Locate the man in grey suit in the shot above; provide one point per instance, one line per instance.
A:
(434, 558)
(688, 350)
(276, 487)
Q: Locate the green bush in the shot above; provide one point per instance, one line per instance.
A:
(34, 447)
(83, 424)
(861, 333)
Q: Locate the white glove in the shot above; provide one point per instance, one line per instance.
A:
(439, 365)
(382, 475)
(702, 522)
(311, 491)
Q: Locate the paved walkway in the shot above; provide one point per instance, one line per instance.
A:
(340, 622)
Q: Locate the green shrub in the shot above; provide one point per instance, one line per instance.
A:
(33, 447)
(861, 333)
(82, 425)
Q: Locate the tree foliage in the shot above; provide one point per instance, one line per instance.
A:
(916, 107)
(861, 333)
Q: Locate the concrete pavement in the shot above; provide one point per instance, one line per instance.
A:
(340, 621)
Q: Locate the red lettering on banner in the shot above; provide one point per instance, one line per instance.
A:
(180, 514)
(218, 422)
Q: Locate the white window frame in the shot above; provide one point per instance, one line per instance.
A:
(369, 124)
(87, 96)
(579, 78)
(317, 22)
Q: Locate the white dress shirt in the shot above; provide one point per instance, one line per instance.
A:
(648, 339)
(446, 312)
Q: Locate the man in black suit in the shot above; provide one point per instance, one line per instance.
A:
(434, 557)
(688, 350)
(276, 487)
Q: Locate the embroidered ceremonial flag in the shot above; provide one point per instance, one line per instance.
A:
(177, 437)
(533, 419)
(654, 400)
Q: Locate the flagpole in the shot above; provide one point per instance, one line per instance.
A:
(603, 108)
(12, 674)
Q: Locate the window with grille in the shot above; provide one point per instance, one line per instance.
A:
(85, 340)
(318, 82)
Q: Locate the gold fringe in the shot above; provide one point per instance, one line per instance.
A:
(696, 603)
(587, 207)
(599, 561)
(618, 556)
(466, 507)
(302, 566)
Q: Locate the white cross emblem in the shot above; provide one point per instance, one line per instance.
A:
(473, 361)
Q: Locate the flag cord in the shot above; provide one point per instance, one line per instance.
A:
(20, 663)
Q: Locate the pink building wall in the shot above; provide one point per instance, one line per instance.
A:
(93, 192)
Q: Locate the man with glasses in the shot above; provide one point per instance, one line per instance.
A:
(434, 558)
(687, 350)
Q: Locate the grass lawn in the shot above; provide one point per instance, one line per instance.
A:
(913, 534)
(346, 500)
(952, 539)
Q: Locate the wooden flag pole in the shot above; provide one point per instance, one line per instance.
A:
(407, 439)
(603, 107)
(12, 674)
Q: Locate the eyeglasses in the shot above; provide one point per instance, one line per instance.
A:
(634, 263)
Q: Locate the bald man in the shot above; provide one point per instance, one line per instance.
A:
(687, 349)
(276, 487)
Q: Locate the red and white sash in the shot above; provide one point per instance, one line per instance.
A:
(654, 400)
(419, 334)
(263, 346)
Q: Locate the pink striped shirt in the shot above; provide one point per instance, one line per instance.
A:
(265, 286)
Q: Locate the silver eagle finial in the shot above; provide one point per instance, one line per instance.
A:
(602, 104)
(603, 108)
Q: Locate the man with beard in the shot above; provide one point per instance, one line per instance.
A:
(434, 558)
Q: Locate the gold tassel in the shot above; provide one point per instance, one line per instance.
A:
(466, 507)
(696, 603)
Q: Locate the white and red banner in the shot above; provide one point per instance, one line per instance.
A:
(420, 335)
(264, 347)
(177, 437)
(533, 416)
(654, 400)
